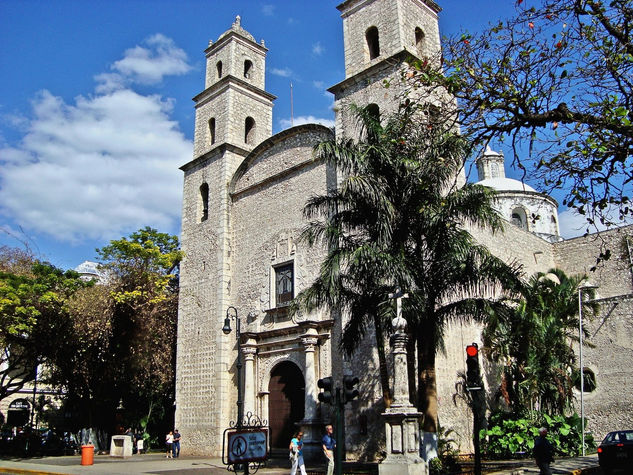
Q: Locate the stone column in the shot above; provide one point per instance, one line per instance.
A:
(310, 425)
(402, 421)
(309, 344)
(249, 378)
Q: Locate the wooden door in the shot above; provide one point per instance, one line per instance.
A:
(285, 403)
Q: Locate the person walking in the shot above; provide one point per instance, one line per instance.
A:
(296, 454)
(543, 452)
(329, 444)
(169, 440)
(175, 447)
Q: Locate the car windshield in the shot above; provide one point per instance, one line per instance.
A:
(621, 436)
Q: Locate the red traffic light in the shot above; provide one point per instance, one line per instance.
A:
(472, 350)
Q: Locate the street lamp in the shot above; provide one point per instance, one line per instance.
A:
(231, 313)
(582, 368)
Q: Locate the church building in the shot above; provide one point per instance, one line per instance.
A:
(243, 198)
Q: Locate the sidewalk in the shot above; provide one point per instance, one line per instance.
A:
(158, 464)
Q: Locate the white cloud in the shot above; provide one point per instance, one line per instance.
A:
(147, 64)
(571, 224)
(101, 166)
(285, 72)
(268, 10)
(320, 85)
(306, 119)
(317, 49)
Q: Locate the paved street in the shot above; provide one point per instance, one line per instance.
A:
(155, 463)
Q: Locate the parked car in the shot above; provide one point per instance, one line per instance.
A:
(616, 451)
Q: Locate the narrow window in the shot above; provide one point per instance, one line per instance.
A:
(212, 130)
(419, 41)
(519, 218)
(204, 202)
(373, 45)
(249, 130)
(248, 68)
(494, 170)
(284, 284)
(219, 68)
(374, 111)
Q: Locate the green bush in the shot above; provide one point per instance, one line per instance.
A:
(512, 436)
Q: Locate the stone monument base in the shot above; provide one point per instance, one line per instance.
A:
(404, 467)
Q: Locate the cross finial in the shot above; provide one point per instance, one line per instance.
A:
(399, 323)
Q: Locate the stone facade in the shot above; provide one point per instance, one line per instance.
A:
(244, 192)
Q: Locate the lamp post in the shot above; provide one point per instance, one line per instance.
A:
(231, 313)
(582, 368)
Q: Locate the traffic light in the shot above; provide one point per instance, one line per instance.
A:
(473, 374)
(349, 391)
(326, 385)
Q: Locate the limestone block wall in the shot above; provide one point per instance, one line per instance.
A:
(214, 105)
(395, 20)
(517, 245)
(610, 358)
(200, 373)
(230, 105)
(614, 276)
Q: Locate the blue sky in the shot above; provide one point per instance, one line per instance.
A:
(96, 113)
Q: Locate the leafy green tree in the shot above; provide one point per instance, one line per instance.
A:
(556, 82)
(531, 340)
(123, 340)
(33, 314)
(397, 220)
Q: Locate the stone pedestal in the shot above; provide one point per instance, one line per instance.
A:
(121, 446)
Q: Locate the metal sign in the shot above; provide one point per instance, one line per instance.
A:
(247, 445)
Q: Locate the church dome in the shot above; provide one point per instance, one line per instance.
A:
(505, 184)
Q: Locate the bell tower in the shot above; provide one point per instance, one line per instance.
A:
(379, 37)
(233, 116)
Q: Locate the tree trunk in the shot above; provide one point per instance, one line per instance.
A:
(411, 368)
(427, 392)
(382, 362)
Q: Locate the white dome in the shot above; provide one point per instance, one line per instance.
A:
(505, 184)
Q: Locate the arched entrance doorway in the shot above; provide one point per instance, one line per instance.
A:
(285, 402)
(18, 414)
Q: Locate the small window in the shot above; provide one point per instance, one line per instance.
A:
(373, 44)
(249, 130)
(419, 41)
(494, 170)
(212, 130)
(248, 69)
(284, 284)
(589, 383)
(204, 202)
(519, 218)
(219, 68)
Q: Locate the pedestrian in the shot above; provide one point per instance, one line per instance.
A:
(169, 440)
(329, 444)
(296, 454)
(139, 445)
(175, 447)
(543, 452)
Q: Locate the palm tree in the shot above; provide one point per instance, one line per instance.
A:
(533, 343)
(397, 220)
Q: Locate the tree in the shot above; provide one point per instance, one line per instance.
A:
(531, 341)
(33, 315)
(556, 80)
(124, 333)
(397, 220)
